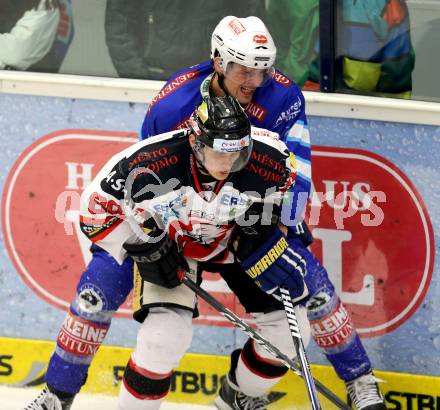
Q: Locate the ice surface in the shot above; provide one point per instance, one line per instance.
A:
(13, 398)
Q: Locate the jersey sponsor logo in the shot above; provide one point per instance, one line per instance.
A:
(166, 162)
(261, 132)
(268, 161)
(147, 156)
(236, 26)
(256, 111)
(265, 174)
(113, 184)
(173, 85)
(282, 79)
(290, 114)
(266, 168)
(366, 266)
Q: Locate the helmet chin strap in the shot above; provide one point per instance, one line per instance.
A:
(201, 168)
(221, 83)
(199, 163)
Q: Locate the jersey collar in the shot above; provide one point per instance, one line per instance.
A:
(206, 83)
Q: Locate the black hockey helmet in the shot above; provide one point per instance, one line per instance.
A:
(221, 124)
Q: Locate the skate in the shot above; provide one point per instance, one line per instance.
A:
(47, 400)
(364, 394)
(231, 398)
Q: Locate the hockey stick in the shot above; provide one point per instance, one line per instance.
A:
(299, 347)
(326, 392)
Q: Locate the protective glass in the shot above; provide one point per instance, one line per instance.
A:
(247, 76)
(225, 156)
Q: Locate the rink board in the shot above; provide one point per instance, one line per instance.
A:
(23, 363)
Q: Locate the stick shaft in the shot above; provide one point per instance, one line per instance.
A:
(299, 347)
(231, 316)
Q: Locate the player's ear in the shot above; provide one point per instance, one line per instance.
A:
(218, 65)
(192, 139)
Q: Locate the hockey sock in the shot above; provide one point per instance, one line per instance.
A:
(254, 374)
(333, 331)
(77, 343)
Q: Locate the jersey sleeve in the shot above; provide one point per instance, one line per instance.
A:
(101, 211)
(295, 134)
(174, 103)
(152, 124)
(106, 218)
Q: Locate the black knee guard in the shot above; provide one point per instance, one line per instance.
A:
(144, 384)
(256, 364)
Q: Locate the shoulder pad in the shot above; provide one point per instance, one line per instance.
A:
(269, 138)
(153, 161)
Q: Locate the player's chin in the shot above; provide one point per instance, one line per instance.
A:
(245, 97)
(220, 175)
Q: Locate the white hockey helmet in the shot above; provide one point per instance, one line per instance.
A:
(244, 41)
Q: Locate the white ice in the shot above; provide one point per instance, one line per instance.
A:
(12, 398)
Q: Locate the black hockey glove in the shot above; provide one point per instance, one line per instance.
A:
(159, 262)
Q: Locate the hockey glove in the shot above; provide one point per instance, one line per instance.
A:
(159, 262)
(302, 232)
(275, 264)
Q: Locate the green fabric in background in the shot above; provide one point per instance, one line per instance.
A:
(294, 25)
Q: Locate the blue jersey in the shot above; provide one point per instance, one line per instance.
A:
(278, 106)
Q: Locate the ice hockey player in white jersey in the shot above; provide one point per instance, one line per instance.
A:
(204, 198)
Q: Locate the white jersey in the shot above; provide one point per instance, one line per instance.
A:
(157, 178)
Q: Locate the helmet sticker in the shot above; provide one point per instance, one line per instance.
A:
(222, 145)
(90, 299)
(260, 39)
(236, 26)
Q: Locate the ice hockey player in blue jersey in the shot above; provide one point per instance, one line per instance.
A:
(242, 61)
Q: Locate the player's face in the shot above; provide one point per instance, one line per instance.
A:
(241, 82)
(219, 164)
